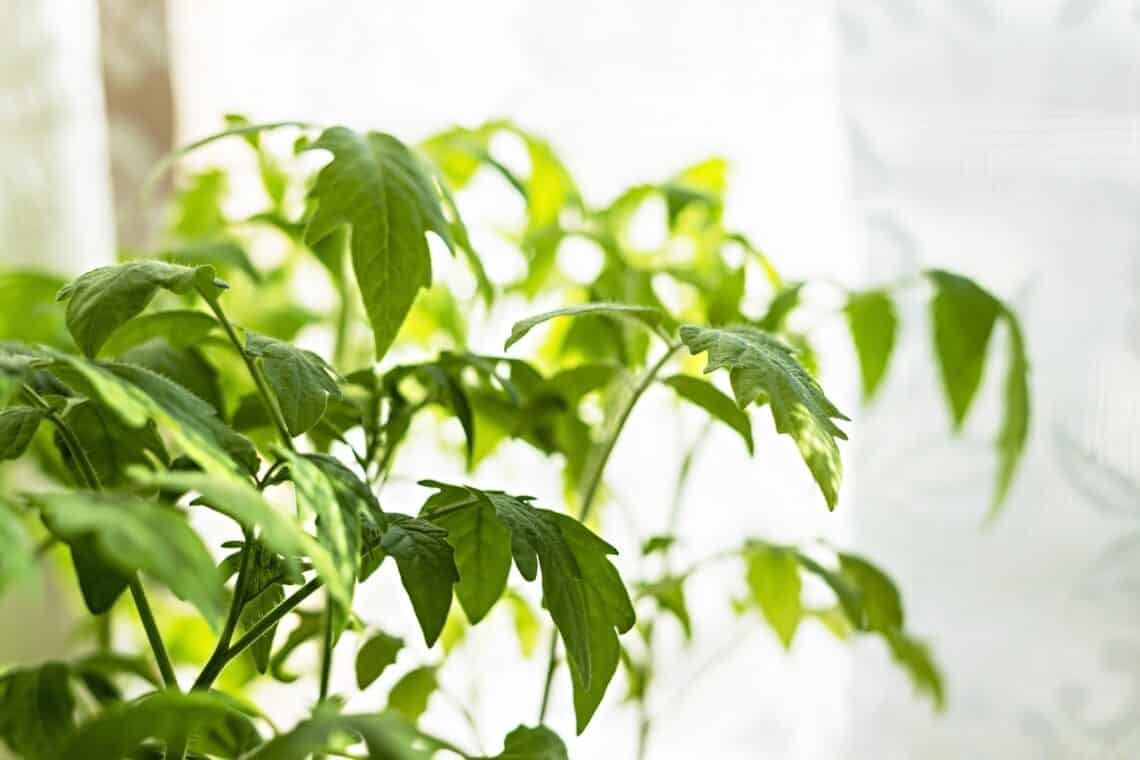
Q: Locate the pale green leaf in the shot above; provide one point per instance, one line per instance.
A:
(873, 324)
(763, 368)
(409, 696)
(648, 316)
(1016, 415)
(773, 574)
(16, 558)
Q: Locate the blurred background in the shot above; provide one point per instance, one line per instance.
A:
(1000, 138)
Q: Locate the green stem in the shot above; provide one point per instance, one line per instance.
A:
(138, 594)
(255, 373)
(589, 496)
(152, 634)
(234, 615)
(326, 652)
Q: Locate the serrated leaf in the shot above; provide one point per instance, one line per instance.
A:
(379, 188)
(1016, 415)
(17, 426)
(873, 324)
(102, 300)
(427, 569)
(134, 535)
(963, 317)
(374, 656)
(763, 368)
(648, 316)
(280, 532)
(583, 591)
(537, 743)
(409, 696)
(167, 715)
(181, 327)
(36, 710)
(773, 575)
(301, 381)
(719, 406)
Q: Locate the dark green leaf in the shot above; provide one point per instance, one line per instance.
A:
(763, 368)
(648, 316)
(185, 366)
(874, 325)
(774, 584)
(427, 569)
(301, 381)
(538, 743)
(139, 536)
(717, 404)
(100, 582)
(17, 426)
(963, 316)
(374, 656)
(376, 185)
(37, 711)
(409, 696)
(102, 300)
(181, 327)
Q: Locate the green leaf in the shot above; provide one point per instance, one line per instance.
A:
(773, 574)
(338, 523)
(30, 313)
(111, 446)
(225, 255)
(181, 327)
(37, 711)
(17, 426)
(914, 657)
(280, 532)
(784, 303)
(134, 535)
(581, 588)
(1016, 416)
(880, 600)
(386, 735)
(376, 185)
(657, 545)
(763, 368)
(374, 656)
(427, 569)
(264, 591)
(873, 324)
(409, 696)
(301, 381)
(482, 547)
(669, 593)
(538, 743)
(18, 553)
(102, 300)
(963, 316)
(648, 316)
(100, 582)
(525, 621)
(719, 406)
(207, 717)
(185, 366)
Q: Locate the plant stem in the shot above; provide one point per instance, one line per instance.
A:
(236, 606)
(91, 478)
(152, 634)
(326, 652)
(590, 494)
(255, 373)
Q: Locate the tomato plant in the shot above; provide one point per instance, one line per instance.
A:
(174, 384)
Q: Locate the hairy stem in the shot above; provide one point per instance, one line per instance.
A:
(91, 478)
(589, 495)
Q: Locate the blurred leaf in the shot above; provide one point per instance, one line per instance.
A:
(648, 316)
(762, 368)
(30, 312)
(669, 593)
(409, 696)
(874, 325)
(538, 743)
(525, 621)
(110, 446)
(386, 735)
(719, 406)
(223, 254)
(374, 656)
(963, 316)
(18, 554)
(1015, 421)
(198, 205)
(180, 327)
(185, 366)
(17, 426)
(773, 574)
(37, 711)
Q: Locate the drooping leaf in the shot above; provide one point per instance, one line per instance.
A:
(102, 300)
(914, 657)
(1016, 415)
(110, 446)
(36, 710)
(181, 327)
(279, 531)
(963, 316)
(409, 696)
(118, 731)
(648, 316)
(100, 582)
(773, 574)
(763, 368)
(873, 324)
(880, 599)
(374, 656)
(300, 380)
(427, 569)
(379, 188)
(17, 426)
(134, 535)
(719, 406)
(537, 743)
(669, 594)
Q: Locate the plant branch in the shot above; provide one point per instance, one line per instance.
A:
(589, 496)
(326, 652)
(153, 636)
(236, 606)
